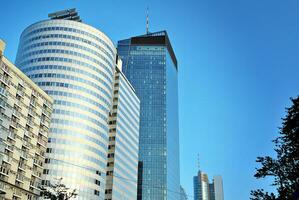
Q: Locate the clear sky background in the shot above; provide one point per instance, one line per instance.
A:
(238, 66)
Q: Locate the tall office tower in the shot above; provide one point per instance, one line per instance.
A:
(201, 186)
(203, 190)
(217, 190)
(74, 63)
(25, 112)
(183, 194)
(121, 182)
(212, 191)
(150, 65)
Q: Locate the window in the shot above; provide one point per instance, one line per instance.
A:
(97, 182)
(98, 173)
(96, 192)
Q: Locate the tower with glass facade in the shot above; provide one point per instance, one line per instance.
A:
(203, 190)
(150, 65)
(121, 180)
(201, 186)
(74, 63)
(216, 188)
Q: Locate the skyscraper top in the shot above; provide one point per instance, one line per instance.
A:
(156, 38)
(70, 14)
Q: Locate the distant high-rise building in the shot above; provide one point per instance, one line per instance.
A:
(203, 190)
(25, 111)
(218, 188)
(121, 181)
(212, 191)
(75, 64)
(151, 66)
(201, 186)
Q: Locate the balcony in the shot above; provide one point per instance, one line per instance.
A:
(4, 171)
(6, 69)
(16, 113)
(2, 104)
(21, 93)
(37, 162)
(43, 133)
(40, 153)
(30, 123)
(37, 174)
(31, 113)
(28, 134)
(3, 92)
(45, 123)
(21, 84)
(14, 124)
(26, 144)
(33, 103)
(2, 188)
(35, 185)
(24, 155)
(20, 178)
(9, 148)
(46, 113)
(42, 142)
(17, 194)
(11, 135)
(22, 166)
(6, 159)
(4, 80)
(18, 103)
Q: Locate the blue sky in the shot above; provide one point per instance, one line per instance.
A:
(238, 63)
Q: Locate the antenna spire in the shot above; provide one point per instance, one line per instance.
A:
(198, 166)
(147, 20)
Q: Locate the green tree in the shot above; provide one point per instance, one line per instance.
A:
(57, 191)
(285, 167)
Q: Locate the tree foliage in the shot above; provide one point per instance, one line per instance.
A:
(57, 191)
(285, 167)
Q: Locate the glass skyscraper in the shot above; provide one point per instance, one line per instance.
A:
(122, 166)
(217, 188)
(201, 186)
(150, 65)
(203, 190)
(74, 63)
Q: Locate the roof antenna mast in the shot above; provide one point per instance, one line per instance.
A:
(198, 166)
(147, 21)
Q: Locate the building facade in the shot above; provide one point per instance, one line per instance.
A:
(201, 186)
(75, 64)
(123, 147)
(203, 190)
(150, 65)
(25, 112)
(218, 188)
(212, 191)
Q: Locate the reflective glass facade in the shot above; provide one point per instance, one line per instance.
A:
(123, 147)
(149, 64)
(203, 190)
(74, 63)
(217, 190)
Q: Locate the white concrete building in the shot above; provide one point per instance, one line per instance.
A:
(25, 111)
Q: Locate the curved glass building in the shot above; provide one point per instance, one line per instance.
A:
(75, 64)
